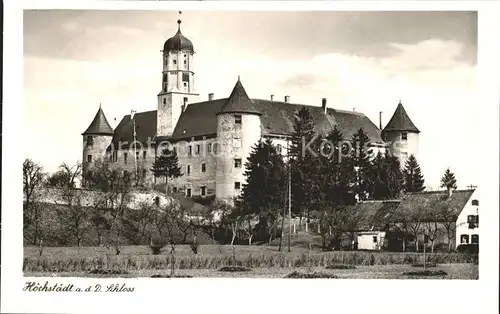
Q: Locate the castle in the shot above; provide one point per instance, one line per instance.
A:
(213, 138)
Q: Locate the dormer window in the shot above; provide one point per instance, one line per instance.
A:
(404, 136)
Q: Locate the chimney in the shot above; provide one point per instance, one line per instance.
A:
(323, 105)
(380, 120)
(272, 97)
(287, 99)
(450, 191)
(211, 96)
(354, 109)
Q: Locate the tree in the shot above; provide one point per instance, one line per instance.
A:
(303, 154)
(413, 178)
(448, 180)
(386, 177)
(264, 191)
(361, 153)
(166, 165)
(33, 179)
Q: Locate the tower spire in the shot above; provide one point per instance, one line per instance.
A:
(179, 21)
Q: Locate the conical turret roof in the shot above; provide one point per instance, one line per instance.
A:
(400, 121)
(239, 102)
(100, 125)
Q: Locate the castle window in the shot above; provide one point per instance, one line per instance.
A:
(374, 239)
(185, 76)
(279, 148)
(115, 156)
(157, 201)
(215, 148)
(188, 169)
(188, 192)
(237, 163)
(175, 61)
(190, 152)
(475, 203)
(237, 119)
(203, 167)
(144, 153)
(185, 84)
(203, 190)
(236, 142)
(474, 239)
(209, 148)
(174, 189)
(185, 62)
(165, 99)
(90, 140)
(125, 155)
(237, 185)
(137, 155)
(89, 158)
(198, 148)
(404, 136)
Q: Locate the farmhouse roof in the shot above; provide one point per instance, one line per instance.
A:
(400, 121)
(432, 206)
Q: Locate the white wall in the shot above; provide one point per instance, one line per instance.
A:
(462, 224)
(365, 240)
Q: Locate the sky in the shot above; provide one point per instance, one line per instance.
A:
(75, 60)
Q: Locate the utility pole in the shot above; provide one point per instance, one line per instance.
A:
(289, 202)
(132, 114)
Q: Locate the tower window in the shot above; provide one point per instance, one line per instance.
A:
(198, 148)
(164, 101)
(185, 77)
(185, 84)
(374, 239)
(404, 136)
(174, 189)
(90, 140)
(188, 192)
(188, 169)
(464, 239)
(237, 119)
(475, 202)
(237, 163)
(203, 190)
(237, 142)
(203, 167)
(209, 148)
(144, 153)
(137, 155)
(185, 62)
(175, 61)
(237, 185)
(89, 158)
(125, 155)
(190, 152)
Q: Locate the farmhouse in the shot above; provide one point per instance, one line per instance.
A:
(213, 138)
(448, 218)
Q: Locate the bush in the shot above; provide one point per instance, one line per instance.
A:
(234, 269)
(426, 273)
(314, 275)
(468, 248)
(340, 266)
(194, 247)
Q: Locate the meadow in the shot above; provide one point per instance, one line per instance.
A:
(261, 260)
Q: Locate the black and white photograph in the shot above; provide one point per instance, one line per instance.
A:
(176, 144)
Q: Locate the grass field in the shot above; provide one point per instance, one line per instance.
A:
(264, 261)
(454, 271)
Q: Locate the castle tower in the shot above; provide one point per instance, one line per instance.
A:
(238, 129)
(401, 135)
(177, 89)
(96, 140)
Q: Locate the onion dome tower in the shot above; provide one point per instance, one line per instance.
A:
(177, 85)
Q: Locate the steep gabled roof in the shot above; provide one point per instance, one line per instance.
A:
(426, 205)
(400, 121)
(238, 101)
(99, 126)
(145, 129)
